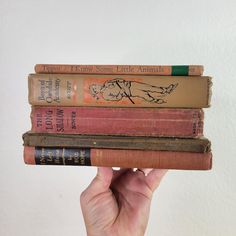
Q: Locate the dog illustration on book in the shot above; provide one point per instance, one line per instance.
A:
(117, 89)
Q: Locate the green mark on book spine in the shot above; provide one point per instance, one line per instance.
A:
(180, 70)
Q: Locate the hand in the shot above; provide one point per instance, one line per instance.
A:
(117, 203)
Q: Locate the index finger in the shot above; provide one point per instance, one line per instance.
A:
(153, 179)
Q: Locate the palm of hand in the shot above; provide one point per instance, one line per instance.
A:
(118, 202)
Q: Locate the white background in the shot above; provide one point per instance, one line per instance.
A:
(45, 200)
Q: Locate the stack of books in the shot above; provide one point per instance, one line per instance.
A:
(118, 115)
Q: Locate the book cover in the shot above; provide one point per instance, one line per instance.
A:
(119, 91)
(160, 122)
(117, 158)
(120, 69)
(117, 142)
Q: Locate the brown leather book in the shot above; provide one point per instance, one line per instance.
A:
(117, 158)
(201, 145)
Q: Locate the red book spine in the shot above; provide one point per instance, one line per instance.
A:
(118, 121)
(117, 158)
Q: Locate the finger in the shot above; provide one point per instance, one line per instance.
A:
(154, 178)
(101, 182)
(144, 171)
(118, 173)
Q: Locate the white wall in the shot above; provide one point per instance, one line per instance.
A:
(45, 200)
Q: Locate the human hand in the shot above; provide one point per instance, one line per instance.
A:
(117, 203)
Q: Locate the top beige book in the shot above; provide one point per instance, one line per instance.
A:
(175, 70)
(119, 90)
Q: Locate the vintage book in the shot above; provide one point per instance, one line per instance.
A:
(117, 158)
(119, 91)
(162, 122)
(120, 69)
(117, 142)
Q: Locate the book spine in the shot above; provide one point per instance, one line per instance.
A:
(117, 158)
(117, 142)
(184, 70)
(122, 91)
(118, 121)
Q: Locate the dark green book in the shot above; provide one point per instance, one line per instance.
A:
(201, 145)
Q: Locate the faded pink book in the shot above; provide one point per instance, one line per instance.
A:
(161, 122)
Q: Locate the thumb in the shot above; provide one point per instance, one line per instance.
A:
(101, 182)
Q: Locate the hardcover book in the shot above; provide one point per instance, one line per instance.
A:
(160, 122)
(117, 142)
(120, 69)
(119, 90)
(117, 158)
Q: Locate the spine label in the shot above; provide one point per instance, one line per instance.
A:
(62, 156)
